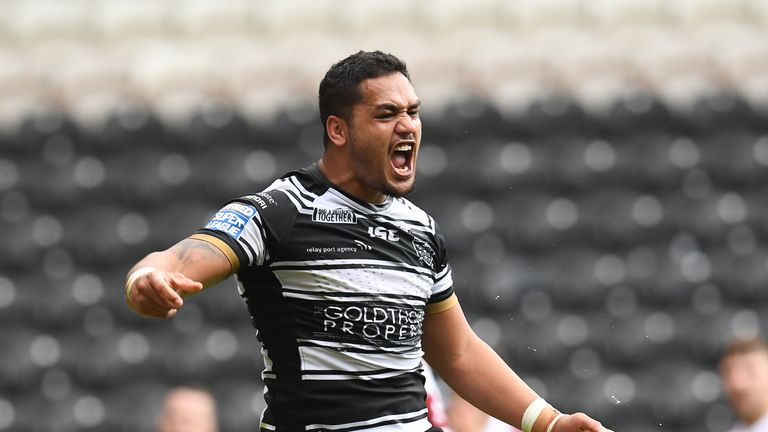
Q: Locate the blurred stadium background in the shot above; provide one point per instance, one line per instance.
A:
(599, 168)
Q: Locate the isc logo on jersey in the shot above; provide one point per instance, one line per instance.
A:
(383, 233)
(231, 220)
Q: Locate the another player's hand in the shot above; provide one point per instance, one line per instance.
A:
(579, 422)
(159, 293)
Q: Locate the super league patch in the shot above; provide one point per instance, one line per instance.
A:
(231, 220)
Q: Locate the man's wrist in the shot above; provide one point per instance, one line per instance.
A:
(132, 278)
(540, 417)
(551, 427)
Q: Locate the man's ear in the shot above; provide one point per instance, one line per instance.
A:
(338, 130)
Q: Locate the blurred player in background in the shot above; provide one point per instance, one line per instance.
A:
(744, 373)
(435, 400)
(347, 282)
(188, 409)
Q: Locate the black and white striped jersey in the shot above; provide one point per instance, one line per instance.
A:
(338, 290)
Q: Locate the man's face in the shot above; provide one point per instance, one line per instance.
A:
(385, 132)
(745, 380)
(188, 410)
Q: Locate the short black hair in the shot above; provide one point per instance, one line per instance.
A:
(340, 88)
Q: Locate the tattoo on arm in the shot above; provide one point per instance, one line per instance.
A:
(191, 252)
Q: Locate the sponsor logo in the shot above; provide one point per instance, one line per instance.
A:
(231, 220)
(383, 233)
(363, 245)
(358, 246)
(424, 252)
(334, 216)
(262, 199)
(327, 250)
(371, 322)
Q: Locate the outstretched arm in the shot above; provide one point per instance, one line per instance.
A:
(156, 284)
(477, 374)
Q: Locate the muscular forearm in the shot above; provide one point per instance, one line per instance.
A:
(480, 377)
(156, 284)
(163, 260)
(195, 259)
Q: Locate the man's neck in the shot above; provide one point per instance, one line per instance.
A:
(343, 178)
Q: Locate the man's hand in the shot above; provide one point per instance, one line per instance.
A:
(578, 422)
(159, 293)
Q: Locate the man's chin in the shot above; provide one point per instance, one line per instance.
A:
(746, 410)
(400, 189)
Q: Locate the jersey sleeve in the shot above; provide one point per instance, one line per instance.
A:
(238, 231)
(443, 296)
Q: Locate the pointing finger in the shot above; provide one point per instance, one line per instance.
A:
(183, 285)
(162, 293)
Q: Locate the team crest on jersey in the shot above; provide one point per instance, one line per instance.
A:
(424, 252)
(334, 215)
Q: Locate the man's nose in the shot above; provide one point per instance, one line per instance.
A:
(406, 125)
(736, 382)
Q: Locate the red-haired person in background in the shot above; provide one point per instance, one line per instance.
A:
(744, 374)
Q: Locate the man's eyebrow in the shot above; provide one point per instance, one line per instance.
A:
(388, 106)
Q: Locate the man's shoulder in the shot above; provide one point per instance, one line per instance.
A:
(265, 200)
(759, 426)
(289, 193)
(405, 209)
(762, 424)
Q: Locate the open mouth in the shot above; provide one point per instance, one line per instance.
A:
(402, 159)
